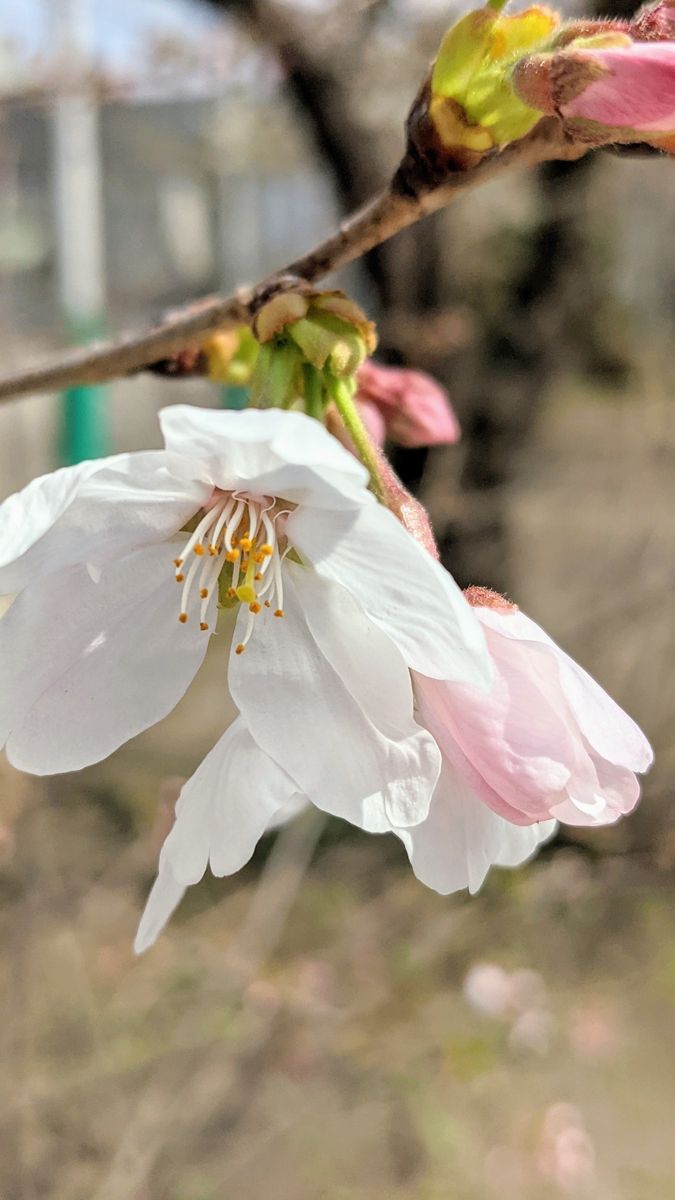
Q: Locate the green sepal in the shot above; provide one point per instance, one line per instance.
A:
(244, 359)
(275, 381)
(461, 53)
(350, 348)
(315, 342)
(494, 104)
(316, 397)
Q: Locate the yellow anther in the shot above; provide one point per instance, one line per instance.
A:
(203, 592)
(203, 626)
(179, 577)
(266, 549)
(240, 648)
(254, 608)
(245, 543)
(199, 549)
(232, 556)
(213, 551)
(258, 558)
(279, 612)
(258, 576)
(177, 562)
(183, 618)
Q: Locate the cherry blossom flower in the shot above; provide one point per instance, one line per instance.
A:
(267, 513)
(546, 745)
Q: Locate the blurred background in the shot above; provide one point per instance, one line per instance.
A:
(321, 1025)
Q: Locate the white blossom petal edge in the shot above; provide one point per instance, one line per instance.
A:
(221, 813)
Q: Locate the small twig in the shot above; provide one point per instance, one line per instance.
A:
(386, 215)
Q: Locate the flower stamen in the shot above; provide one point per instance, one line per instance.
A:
(238, 534)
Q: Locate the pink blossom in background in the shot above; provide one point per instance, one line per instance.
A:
(403, 406)
(488, 989)
(595, 1030)
(566, 1154)
(635, 88)
(547, 742)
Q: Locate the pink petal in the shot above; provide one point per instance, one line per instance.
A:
(608, 729)
(637, 93)
(546, 742)
(616, 793)
(518, 749)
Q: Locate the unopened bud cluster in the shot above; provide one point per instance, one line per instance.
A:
(311, 344)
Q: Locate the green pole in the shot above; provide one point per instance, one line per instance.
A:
(233, 397)
(78, 220)
(83, 430)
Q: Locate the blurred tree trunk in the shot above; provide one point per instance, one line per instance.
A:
(501, 381)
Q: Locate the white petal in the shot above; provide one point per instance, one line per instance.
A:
(86, 666)
(164, 898)
(521, 842)
(296, 805)
(609, 730)
(412, 598)
(462, 838)
(266, 452)
(326, 694)
(92, 513)
(27, 515)
(224, 809)
(221, 814)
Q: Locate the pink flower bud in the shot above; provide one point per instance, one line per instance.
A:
(633, 87)
(407, 407)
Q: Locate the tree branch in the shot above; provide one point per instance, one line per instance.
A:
(384, 216)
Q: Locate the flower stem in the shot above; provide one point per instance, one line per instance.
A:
(348, 409)
(313, 393)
